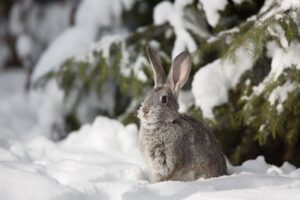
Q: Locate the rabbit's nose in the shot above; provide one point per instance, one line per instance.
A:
(145, 110)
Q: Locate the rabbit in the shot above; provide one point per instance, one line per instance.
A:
(175, 146)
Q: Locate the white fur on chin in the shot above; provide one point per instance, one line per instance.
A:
(148, 121)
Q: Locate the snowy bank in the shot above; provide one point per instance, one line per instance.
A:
(101, 161)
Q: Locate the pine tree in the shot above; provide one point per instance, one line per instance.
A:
(262, 112)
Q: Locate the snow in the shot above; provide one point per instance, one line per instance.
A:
(283, 40)
(21, 112)
(16, 114)
(44, 24)
(239, 1)
(74, 169)
(24, 45)
(104, 45)
(185, 100)
(281, 60)
(281, 92)
(71, 42)
(212, 9)
(34, 26)
(92, 15)
(102, 161)
(285, 58)
(137, 69)
(268, 4)
(50, 114)
(113, 137)
(290, 4)
(211, 82)
(173, 14)
(269, 10)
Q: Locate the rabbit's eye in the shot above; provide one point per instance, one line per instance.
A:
(164, 99)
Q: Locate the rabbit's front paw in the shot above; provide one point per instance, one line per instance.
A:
(157, 178)
(160, 164)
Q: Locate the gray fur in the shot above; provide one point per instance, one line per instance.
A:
(179, 72)
(176, 146)
(158, 70)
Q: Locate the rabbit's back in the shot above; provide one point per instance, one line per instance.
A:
(204, 157)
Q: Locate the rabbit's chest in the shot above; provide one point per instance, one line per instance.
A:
(161, 135)
(161, 140)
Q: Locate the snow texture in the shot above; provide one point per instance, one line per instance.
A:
(34, 26)
(268, 9)
(24, 46)
(102, 161)
(239, 1)
(285, 58)
(212, 9)
(45, 24)
(173, 14)
(280, 93)
(211, 83)
(22, 113)
(104, 45)
(290, 4)
(90, 17)
(281, 59)
(93, 14)
(71, 42)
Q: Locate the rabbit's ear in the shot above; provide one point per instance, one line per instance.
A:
(158, 70)
(179, 72)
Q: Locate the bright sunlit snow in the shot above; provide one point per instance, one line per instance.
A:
(102, 161)
(173, 13)
(212, 9)
(212, 82)
(76, 40)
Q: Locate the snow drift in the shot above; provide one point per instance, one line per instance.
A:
(102, 161)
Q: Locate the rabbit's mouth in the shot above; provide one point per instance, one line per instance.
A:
(151, 117)
(148, 116)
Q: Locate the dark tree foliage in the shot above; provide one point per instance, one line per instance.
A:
(247, 125)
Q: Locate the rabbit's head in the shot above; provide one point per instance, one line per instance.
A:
(160, 103)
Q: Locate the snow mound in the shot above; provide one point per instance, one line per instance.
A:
(89, 164)
(212, 82)
(102, 161)
(107, 136)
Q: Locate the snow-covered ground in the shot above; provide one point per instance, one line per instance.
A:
(102, 161)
